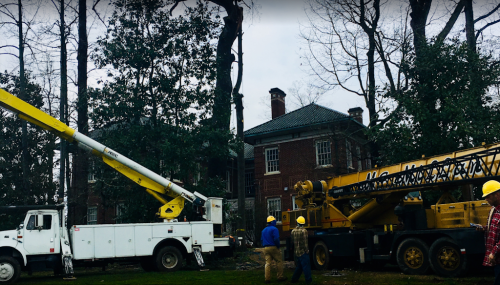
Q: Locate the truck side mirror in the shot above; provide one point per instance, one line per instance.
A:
(20, 227)
(39, 222)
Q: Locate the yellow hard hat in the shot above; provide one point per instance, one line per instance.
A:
(490, 187)
(270, 219)
(301, 220)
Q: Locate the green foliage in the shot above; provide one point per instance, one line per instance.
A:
(447, 106)
(154, 109)
(218, 275)
(41, 188)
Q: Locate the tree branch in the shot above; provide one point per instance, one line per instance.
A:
(451, 22)
(488, 14)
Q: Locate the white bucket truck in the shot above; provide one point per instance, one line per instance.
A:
(43, 241)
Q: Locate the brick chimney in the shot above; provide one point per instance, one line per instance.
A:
(277, 102)
(357, 114)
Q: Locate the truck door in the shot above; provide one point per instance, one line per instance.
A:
(40, 234)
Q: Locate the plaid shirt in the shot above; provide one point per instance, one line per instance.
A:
(299, 238)
(492, 237)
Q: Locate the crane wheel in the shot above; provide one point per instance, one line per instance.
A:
(168, 259)
(446, 259)
(10, 270)
(413, 256)
(320, 256)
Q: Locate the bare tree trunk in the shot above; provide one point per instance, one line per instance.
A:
(238, 99)
(63, 105)
(419, 13)
(469, 25)
(22, 95)
(223, 87)
(80, 160)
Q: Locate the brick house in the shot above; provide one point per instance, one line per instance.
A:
(310, 143)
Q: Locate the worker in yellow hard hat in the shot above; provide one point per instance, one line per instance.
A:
(271, 242)
(301, 252)
(491, 194)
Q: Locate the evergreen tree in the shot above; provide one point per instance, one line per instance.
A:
(39, 147)
(447, 106)
(153, 108)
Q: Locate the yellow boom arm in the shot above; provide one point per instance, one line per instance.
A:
(154, 183)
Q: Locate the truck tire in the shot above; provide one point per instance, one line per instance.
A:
(10, 270)
(148, 264)
(320, 256)
(413, 256)
(169, 259)
(446, 259)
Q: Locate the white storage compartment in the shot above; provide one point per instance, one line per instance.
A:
(203, 235)
(124, 241)
(144, 244)
(82, 242)
(214, 210)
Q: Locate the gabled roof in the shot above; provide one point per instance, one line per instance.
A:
(311, 114)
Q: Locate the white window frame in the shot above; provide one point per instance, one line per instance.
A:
(360, 162)
(249, 182)
(323, 153)
(274, 208)
(294, 206)
(92, 215)
(275, 167)
(348, 149)
(119, 212)
(91, 174)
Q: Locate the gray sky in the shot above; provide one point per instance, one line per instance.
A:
(272, 58)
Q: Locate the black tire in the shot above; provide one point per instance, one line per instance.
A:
(148, 264)
(446, 259)
(10, 270)
(413, 256)
(168, 259)
(320, 256)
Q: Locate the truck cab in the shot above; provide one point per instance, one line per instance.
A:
(36, 245)
(40, 233)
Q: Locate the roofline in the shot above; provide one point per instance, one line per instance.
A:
(304, 126)
(296, 110)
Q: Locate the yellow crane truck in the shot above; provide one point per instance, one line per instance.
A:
(378, 216)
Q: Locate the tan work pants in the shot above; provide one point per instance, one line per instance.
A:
(273, 253)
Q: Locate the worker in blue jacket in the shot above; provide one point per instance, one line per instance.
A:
(271, 243)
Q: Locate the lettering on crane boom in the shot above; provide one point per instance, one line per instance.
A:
(469, 167)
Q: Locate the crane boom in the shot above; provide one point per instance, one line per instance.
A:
(155, 184)
(473, 164)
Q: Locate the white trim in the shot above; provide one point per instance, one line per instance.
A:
(277, 154)
(329, 151)
(274, 212)
(89, 221)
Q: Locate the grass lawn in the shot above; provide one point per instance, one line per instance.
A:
(132, 274)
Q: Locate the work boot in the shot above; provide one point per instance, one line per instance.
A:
(282, 278)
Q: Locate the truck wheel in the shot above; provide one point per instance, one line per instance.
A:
(446, 259)
(413, 256)
(10, 270)
(320, 256)
(169, 258)
(148, 264)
